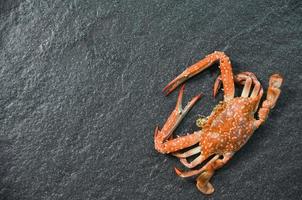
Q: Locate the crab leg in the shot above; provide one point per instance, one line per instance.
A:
(188, 153)
(185, 174)
(273, 94)
(203, 179)
(162, 138)
(256, 90)
(194, 163)
(206, 172)
(226, 73)
(247, 87)
(257, 85)
(241, 79)
(259, 98)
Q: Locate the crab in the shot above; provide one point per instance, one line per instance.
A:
(228, 127)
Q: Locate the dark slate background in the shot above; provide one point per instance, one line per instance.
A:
(80, 96)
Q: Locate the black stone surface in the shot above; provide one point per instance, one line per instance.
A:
(80, 96)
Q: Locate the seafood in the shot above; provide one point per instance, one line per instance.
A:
(229, 126)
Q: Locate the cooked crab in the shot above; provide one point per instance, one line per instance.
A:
(226, 130)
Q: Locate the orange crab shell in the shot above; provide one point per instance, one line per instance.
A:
(229, 126)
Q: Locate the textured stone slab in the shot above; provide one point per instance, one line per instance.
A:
(81, 94)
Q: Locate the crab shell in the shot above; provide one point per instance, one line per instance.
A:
(228, 127)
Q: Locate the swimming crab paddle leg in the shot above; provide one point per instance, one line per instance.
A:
(273, 94)
(206, 172)
(225, 68)
(203, 181)
(162, 138)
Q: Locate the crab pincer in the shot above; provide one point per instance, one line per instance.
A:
(162, 138)
(225, 67)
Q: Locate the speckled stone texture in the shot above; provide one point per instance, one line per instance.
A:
(80, 96)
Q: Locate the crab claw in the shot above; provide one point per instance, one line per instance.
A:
(163, 139)
(217, 85)
(189, 72)
(173, 84)
(225, 68)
